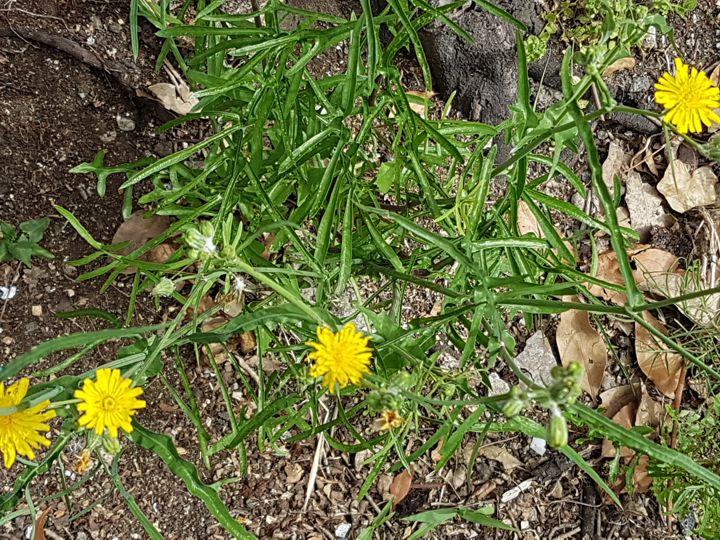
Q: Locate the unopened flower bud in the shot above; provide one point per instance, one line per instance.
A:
(111, 445)
(557, 432)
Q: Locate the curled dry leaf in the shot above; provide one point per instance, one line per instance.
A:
(684, 190)
(502, 456)
(659, 365)
(177, 99)
(619, 65)
(578, 341)
(400, 486)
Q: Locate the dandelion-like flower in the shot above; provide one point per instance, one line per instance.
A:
(20, 431)
(108, 402)
(688, 98)
(340, 358)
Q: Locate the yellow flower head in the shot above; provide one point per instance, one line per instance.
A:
(340, 358)
(688, 98)
(20, 431)
(389, 420)
(108, 402)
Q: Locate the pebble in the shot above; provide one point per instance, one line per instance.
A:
(538, 445)
(37, 311)
(125, 123)
(114, 27)
(342, 530)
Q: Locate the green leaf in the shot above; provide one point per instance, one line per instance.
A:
(387, 175)
(35, 228)
(163, 447)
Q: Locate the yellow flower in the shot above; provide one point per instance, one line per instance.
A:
(389, 420)
(688, 98)
(340, 358)
(20, 431)
(108, 402)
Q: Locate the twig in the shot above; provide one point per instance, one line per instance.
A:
(68, 47)
(316, 459)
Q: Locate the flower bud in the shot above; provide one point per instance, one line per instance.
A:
(513, 407)
(111, 445)
(557, 432)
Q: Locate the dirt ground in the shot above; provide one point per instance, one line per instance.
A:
(56, 111)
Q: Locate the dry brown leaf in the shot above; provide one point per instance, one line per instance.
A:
(609, 270)
(578, 341)
(614, 399)
(650, 412)
(502, 456)
(400, 486)
(615, 164)
(177, 99)
(618, 65)
(651, 263)
(137, 230)
(40, 525)
(661, 367)
(641, 479)
(294, 472)
(684, 190)
(247, 342)
(161, 254)
(625, 417)
(420, 107)
(527, 222)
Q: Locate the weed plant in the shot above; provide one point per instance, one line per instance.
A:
(311, 186)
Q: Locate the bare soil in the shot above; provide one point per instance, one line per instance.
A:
(57, 110)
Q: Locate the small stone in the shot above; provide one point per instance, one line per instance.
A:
(125, 123)
(7, 340)
(70, 293)
(342, 530)
(114, 27)
(108, 136)
(538, 445)
(497, 385)
(37, 311)
(90, 40)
